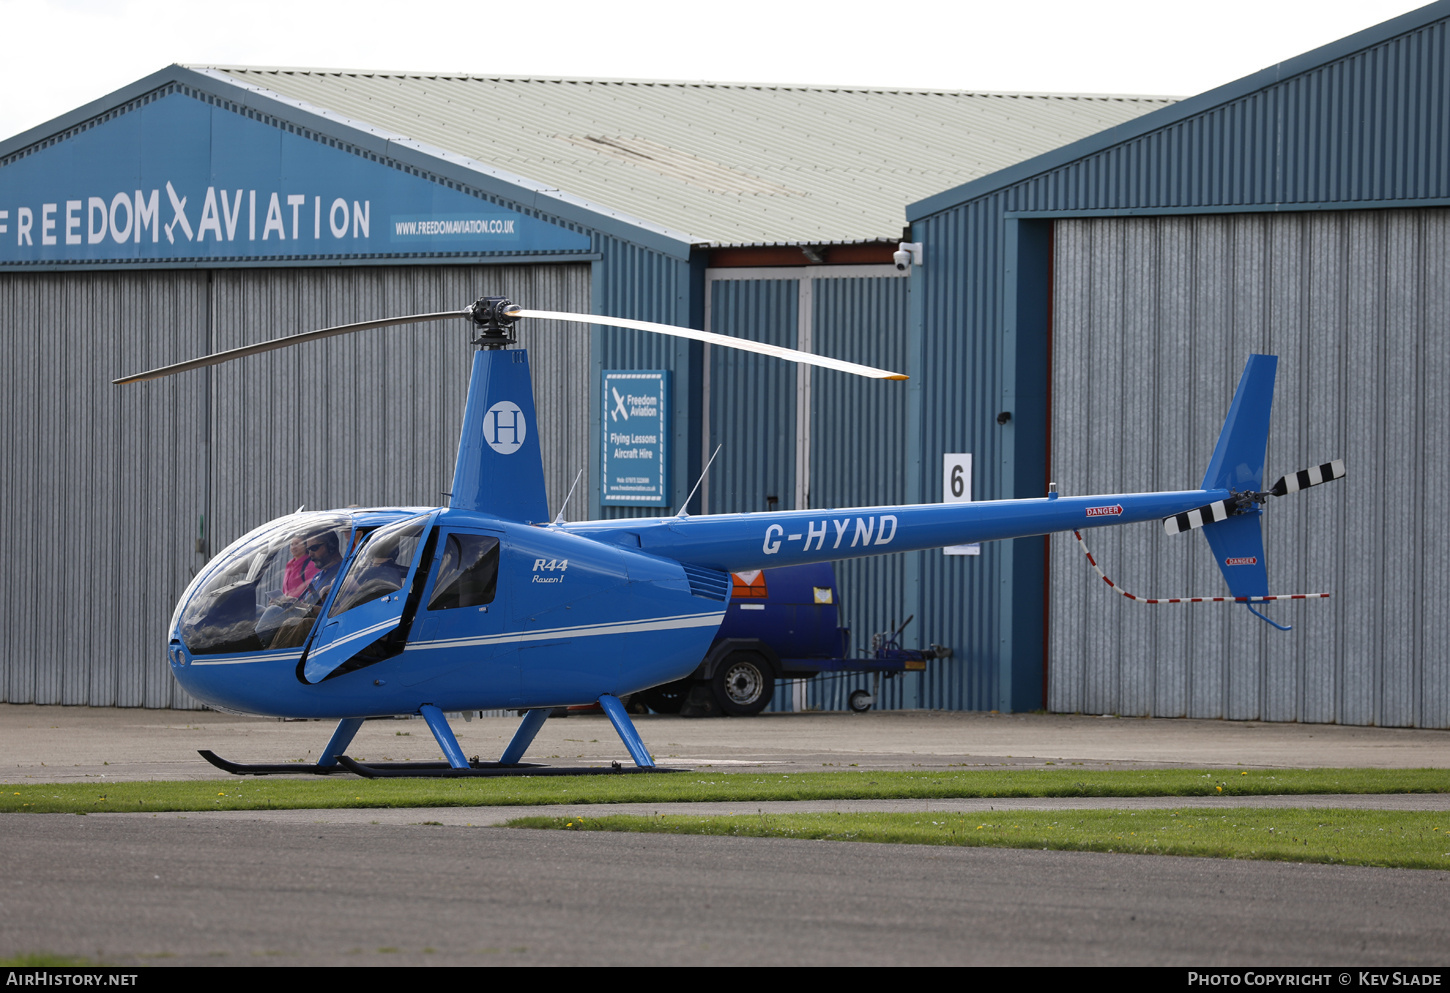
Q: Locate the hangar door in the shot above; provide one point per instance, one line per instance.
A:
(1153, 318)
(124, 492)
(797, 437)
(104, 486)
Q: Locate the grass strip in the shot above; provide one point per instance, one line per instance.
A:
(1396, 839)
(253, 793)
(43, 960)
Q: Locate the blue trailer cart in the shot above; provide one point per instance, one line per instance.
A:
(783, 624)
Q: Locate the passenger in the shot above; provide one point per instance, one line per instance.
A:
(300, 570)
(379, 573)
(286, 621)
(383, 569)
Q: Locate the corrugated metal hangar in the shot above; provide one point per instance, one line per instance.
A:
(204, 208)
(1100, 277)
(1116, 286)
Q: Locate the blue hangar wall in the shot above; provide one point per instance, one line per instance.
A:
(184, 215)
(1106, 295)
(796, 437)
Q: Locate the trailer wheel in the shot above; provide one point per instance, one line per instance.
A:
(860, 701)
(742, 684)
(667, 699)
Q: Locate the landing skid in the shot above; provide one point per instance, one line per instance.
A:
(418, 770)
(284, 769)
(457, 766)
(442, 770)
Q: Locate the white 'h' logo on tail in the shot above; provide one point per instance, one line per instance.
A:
(504, 427)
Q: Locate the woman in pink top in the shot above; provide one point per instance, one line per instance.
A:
(299, 571)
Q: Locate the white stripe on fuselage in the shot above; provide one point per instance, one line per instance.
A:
(577, 631)
(387, 625)
(291, 656)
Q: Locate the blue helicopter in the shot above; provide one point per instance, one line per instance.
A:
(487, 604)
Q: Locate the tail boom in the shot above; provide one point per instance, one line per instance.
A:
(736, 542)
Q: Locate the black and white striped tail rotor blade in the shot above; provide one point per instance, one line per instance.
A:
(1190, 519)
(1305, 478)
(744, 344)
(1223, 509)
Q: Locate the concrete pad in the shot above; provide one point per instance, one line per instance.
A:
(52, 744)
(494, 816)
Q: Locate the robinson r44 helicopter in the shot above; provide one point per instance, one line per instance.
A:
(485, 604)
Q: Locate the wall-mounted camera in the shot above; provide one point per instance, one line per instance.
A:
(907, 254)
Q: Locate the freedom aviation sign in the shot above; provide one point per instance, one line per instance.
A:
(180, 180)
(635, 433)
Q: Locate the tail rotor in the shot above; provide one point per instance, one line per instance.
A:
(1231, 525)
(1232, 529)
(1240, 503)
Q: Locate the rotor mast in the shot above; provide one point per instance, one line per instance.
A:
(500, 466)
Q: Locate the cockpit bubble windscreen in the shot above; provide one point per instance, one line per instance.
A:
(265, 590)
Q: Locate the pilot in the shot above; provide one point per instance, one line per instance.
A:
(322, 548)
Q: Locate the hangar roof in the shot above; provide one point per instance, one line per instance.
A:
(721, 163)
(1233, 148)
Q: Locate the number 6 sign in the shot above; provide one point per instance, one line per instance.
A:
(956, 487)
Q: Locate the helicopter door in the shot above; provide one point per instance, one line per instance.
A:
(462, 620)
(369, 604)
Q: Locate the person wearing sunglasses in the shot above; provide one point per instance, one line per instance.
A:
(323, 549)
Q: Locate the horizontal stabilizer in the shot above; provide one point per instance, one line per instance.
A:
(1305, 478)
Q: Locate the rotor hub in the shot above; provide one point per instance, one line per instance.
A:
(494, 317)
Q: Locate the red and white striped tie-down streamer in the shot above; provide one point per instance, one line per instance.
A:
(1190, 599)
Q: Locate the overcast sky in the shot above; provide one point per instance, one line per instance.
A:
(61, 54)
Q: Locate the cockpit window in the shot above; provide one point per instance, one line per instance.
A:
(381, 565)
(468, 574)
(265, 590)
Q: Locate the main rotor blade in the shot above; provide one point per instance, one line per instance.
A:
(789, 354)
(217, 358)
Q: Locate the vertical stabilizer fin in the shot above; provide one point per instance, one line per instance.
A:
(1238, 459)
(1237, 465)
(500, 468)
